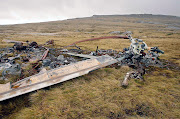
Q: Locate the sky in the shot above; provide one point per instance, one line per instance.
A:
(28, 11)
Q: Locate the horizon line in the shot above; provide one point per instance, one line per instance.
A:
(86, 17)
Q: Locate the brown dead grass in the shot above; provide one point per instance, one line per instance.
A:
(99, 94)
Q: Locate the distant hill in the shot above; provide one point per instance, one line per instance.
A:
(139, 16)
(102, 21)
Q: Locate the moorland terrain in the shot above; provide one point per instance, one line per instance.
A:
(99, 94)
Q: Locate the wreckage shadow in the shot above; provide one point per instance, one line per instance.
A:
(12, 105)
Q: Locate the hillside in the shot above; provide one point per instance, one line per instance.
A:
(99, 94)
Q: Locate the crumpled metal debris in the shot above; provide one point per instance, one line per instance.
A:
(46, 62)
(60, 58)
(33, 44)
(133, 75)
(19, 46)
(50, 42)
(33, 53)
(14, 69)
(5, 66)
(100, 52)
(134, 56)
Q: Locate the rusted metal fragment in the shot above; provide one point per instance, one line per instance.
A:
(55, 76)
(92, 39)
(45, 54)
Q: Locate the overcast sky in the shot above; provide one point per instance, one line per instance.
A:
(27, 11)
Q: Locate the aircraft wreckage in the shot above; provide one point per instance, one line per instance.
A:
(63, 64)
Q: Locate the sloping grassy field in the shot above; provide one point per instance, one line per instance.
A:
(99, 94)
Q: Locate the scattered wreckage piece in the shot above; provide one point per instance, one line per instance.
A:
(66, 68)
(19, 46)
(15, 69)
(8, 64)
(133, 75)
(50, 42)
(82, 55)
(51, 77)
(100, 52)
(33, 44)
(32, 55)
(5, 66)
(136, 57)
(45, 54)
